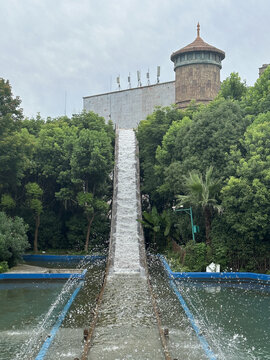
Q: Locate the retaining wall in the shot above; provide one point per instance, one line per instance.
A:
(126, 108)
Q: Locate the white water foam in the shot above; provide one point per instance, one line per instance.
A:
(126, 258)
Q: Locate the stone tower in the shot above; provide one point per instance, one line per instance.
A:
(263, 68)
(197, 72)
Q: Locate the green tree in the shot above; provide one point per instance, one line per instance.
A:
(52, 161)
(13, 239)
(91, 163)
(202, 193)
(246, 201)
(257, 99)
(92, 207)
(214, 130)
(86, 182)
(252, 178)
(33, 125)
(91, 160)
(153, 222)
(169, 155)
(232, 87)
(16, 144)
(16, 153)
(34, 194)
(10, 112)
(150, 134)
(158, 227)
(7, 203)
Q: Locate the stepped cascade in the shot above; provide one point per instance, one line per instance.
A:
(126, 327)
(126, 255)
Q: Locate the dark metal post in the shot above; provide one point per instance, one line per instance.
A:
(189, 212)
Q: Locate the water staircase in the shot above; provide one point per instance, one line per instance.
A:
(125, 326)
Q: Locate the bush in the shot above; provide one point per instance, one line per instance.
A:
(13, 239)
(196, 256)
(3, 266)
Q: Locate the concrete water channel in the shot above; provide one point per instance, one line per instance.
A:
(126, 327)
(117, 307)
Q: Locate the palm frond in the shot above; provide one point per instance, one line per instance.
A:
(199, 191)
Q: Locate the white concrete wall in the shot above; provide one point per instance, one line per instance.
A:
(126, 108)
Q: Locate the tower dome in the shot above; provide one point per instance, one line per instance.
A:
(197, 72)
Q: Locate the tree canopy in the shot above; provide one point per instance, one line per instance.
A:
(56, 174)
(230, 139)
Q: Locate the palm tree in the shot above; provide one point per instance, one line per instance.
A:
(152, 221)
(202, 193)
(158, 224)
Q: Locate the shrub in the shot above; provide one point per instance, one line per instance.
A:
(13, 239)
(3, 266)
(196, 256)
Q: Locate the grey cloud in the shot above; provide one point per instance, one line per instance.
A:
(80, 46)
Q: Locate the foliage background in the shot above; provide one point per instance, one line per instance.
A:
(56, 175)
(231, 135)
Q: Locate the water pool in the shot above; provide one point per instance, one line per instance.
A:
(233, 316)
(23, 305)
(30, 309)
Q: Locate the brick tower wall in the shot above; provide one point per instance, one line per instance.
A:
(200, 82)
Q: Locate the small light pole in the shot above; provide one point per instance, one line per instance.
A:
(189, 212)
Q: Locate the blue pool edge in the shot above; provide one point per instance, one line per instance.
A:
(42, 276)
(60, 258)
(213, 275)
(51, 258)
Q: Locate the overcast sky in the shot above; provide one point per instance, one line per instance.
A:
(49, 48)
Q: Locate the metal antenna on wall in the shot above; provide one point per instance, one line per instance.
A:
(118, 82)
(110, 114)
(148, 77)
(129, 81)
(158, 74)
(65, 103)
(139, 78)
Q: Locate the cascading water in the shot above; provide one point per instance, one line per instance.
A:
(126, 327)
(126, 256)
